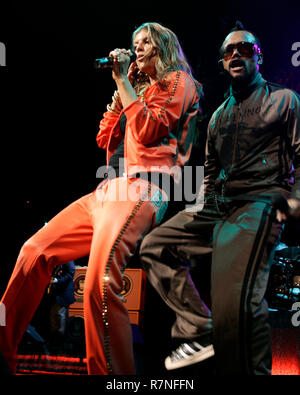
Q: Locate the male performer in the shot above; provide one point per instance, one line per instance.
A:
(252, 160)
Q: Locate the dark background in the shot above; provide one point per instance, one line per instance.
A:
(53, 99)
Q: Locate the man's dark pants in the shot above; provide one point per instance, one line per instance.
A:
(241, 243)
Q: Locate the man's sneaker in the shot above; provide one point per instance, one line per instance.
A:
(188, 354)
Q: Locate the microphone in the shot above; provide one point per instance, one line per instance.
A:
(104, 63)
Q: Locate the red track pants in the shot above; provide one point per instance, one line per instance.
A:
(106, 225)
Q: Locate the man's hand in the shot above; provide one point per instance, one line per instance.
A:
(293, 210)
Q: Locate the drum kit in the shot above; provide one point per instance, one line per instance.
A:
(284, 281)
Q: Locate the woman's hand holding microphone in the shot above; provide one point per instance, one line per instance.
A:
(124, 76)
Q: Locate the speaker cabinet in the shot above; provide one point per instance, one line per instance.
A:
(79, 279)
(133, 293)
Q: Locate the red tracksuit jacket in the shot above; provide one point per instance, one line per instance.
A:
(159, 129)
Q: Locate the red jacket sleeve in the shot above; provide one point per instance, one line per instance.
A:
(106, 125)
(154, 119)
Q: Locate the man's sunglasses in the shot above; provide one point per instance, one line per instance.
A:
(245, 49)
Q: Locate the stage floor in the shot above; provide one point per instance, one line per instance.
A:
(68, 357)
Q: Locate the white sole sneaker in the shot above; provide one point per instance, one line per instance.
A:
(204, 353)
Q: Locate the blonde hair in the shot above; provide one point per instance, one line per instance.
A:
(170, 54)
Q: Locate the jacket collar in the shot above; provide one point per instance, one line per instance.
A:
(241, 91)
